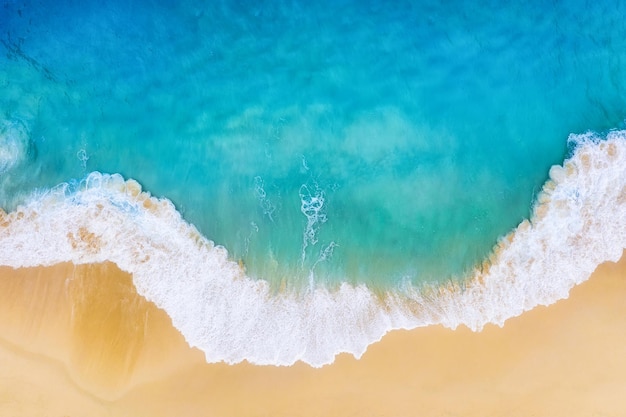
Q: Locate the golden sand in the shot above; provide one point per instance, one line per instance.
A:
(79, 341)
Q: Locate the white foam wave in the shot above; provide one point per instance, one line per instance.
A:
(579, 221)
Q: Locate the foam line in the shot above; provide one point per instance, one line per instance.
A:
(579, 221)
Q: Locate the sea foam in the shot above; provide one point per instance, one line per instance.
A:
(578, 222)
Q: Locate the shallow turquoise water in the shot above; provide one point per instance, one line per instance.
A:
(336, 141)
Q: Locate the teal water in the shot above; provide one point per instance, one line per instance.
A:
(329, 142)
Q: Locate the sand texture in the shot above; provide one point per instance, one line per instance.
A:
(79, 341)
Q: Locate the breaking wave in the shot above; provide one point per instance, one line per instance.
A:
(578, 222)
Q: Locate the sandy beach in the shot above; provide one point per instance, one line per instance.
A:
(78, 340)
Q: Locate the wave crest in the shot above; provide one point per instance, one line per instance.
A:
(579, 221)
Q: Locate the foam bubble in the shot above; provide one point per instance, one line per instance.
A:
(264, 201)
(579, 221)
(312, 206)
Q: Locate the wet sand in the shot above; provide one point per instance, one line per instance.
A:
(78, 340)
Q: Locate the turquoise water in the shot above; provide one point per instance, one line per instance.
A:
(361, 167)
(348, 141)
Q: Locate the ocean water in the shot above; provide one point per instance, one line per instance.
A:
(291, 180)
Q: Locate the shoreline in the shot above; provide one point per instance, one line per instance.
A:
(70, 353)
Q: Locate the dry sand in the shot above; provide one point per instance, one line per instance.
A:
(79, 341)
